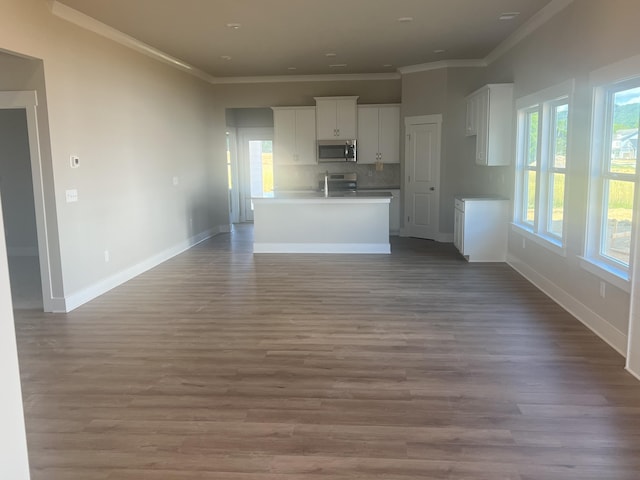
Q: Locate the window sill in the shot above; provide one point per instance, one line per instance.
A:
(549, 243)
(615, 276)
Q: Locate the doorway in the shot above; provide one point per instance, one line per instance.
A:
(255, 168)
(18, 208)
(422, 176)
(27, 244)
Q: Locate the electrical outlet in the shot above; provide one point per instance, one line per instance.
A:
(176, 181)
(107, 256)
(602, 289)
(524, 242)
(75, 161)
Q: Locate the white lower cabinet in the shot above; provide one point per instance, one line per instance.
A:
(480, 228)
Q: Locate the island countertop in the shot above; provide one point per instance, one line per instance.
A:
(333, 197)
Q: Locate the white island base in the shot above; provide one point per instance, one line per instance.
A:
(310, 224)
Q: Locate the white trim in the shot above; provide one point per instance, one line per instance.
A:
(22, 251)
(89, 23)
(549, 94)
(29, 101)
(444, 237)
(634, 374)
(18, 99)
(536, 21)
(538, 239)
(617, 278)
(345, 77)
(85, 295)
(425, 67)
(421, 119)
(368, 248)
(598, 325)
(617, 72)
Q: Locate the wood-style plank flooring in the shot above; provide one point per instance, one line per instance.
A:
(417, 365)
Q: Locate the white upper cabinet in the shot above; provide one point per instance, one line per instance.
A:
(379, 133)
(336, 118)
(294, 135)
(490, 119)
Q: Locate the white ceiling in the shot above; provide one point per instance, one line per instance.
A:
(276, 35)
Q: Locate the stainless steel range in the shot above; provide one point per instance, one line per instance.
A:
(338, 182)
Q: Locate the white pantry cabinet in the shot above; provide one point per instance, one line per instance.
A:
(294, 135)
(379, 133)
(480, 228)
(490, 119)
(336, 118)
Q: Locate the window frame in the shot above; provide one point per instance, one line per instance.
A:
(546, 103)
(594, 260)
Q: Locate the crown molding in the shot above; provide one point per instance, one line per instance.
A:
(89, 23)
(425, 67)
(536, 21)
(346, 77)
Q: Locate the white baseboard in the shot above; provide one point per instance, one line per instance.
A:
(440, 237)
(598, 325)
(22, 251)
(375, 248)
(634, 374)
(73, 301)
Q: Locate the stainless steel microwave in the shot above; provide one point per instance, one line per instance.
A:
(336, 151)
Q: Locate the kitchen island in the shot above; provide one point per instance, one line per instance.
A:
(312, 223)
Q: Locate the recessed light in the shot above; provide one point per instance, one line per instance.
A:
(291, 68)
(338, 65)
(405, 19)
(387, 65)
(234, 26)
(439, 50)
(330, 54)
(508, 15)
(225, 57)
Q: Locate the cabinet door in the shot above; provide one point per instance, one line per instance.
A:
(367, 134)
(284, 137)
(394, 212)
(389, 134)
(458, 230)
(326, 119)
(482, 115)
(346, 119)
(471, 128)
(306, 136)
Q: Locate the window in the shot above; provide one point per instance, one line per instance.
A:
(542, 139)
(614, 176)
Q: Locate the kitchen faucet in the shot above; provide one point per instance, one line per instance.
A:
(326, 184)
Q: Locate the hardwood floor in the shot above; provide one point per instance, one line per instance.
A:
(418, 365)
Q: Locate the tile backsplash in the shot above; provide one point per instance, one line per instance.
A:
(306, 177)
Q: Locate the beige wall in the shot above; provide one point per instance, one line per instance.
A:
(135, 123)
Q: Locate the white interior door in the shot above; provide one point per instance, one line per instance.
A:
(255, 168)
(422, 176)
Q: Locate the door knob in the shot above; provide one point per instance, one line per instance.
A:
(432, 188)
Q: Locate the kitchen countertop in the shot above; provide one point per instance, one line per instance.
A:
(318, 197)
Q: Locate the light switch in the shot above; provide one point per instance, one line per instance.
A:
(72, 195)
(176, 181)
